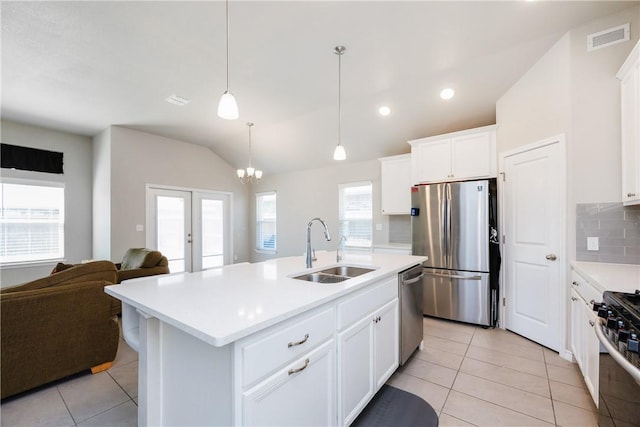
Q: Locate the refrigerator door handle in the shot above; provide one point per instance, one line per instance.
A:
(454, 276)
(448, 231)
(443, 235)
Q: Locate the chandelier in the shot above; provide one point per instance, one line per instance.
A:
(249, 175)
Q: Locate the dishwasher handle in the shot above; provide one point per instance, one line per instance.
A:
(414, 280)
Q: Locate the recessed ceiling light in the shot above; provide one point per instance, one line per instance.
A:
(384, 110)
(177, 100)
(447, 93)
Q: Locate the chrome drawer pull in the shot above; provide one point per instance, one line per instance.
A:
(304, 340)
(574, 283)
(293, 371)
(592, 323)
(574, 299)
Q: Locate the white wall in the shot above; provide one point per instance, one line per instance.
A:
(304, 195)
(77, 155)
(575, 92)
(139, 158)
(102, 195)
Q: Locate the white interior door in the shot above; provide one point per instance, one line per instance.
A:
(191, 228)
(534, 224)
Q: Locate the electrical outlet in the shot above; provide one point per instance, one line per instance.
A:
(593, 244)
(139, 227)
(378, 227)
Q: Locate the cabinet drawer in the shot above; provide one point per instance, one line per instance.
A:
(273, 349)
(358, 306)
(585, 289)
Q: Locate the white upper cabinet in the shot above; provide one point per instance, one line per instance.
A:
(395, 187)
(629, 76)
(457, 156)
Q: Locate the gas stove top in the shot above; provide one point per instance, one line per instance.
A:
(622, 313)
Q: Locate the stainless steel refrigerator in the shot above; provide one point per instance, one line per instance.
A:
(454, 224)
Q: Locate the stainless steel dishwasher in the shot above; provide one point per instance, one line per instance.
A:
(410, 294)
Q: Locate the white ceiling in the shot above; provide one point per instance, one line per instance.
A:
(81, 66)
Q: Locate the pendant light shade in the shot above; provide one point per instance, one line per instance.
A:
(339, 153)
(228, 108)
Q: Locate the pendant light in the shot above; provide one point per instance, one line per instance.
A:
(228, 108)
(339, 153)
(249, 175)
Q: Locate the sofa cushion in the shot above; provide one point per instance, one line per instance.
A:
(140, 258)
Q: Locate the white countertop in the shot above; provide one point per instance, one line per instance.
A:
(610, 277)
(223, 305)
(402, 246)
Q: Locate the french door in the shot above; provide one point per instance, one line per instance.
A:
(191, 228)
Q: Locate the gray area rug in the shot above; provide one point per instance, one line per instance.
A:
(392, 407)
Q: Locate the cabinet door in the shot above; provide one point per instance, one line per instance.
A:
(471, 156)
(432, 161)
(591, 347)
(301, 394)
(577, 328)
(395, 185)
(630, 113)
(386, 342)
(355, 367)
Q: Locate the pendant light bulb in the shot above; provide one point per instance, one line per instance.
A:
(339, 153)
(228, 108)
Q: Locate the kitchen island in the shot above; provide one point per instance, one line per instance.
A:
(247, 344)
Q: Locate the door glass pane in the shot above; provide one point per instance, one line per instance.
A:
(212, 233)
(171, 225)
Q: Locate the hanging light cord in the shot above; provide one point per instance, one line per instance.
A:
(250, 124)
(227, 16)
(339, 93)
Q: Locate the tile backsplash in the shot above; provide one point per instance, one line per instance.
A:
(617, 228)
(399, 229)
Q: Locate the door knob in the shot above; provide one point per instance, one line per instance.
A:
(551, 257)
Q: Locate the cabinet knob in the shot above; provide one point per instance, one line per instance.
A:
(574, 299)
(574, 283)
(631, 194)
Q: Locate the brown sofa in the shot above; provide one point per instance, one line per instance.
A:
(141, 262)
(57, 326)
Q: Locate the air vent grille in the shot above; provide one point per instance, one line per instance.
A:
(608, 37)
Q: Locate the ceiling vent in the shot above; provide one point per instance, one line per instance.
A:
(608, 37)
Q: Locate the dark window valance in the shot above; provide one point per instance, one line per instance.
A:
(30, 159)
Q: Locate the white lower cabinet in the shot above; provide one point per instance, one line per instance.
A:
(368, 350)
(300, 394)
(584, 343)
(323, 367)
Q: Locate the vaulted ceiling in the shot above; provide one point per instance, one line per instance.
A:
(81, 66)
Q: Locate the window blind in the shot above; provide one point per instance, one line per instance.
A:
(356, 213)
(266, 237)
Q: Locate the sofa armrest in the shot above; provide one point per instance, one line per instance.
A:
(54, 332)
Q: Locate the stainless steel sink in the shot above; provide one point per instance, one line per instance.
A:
(347, 270)
(336, 274)
(319, 277)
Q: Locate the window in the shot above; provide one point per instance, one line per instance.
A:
(266, 221)
(356, 214)
(31, 222)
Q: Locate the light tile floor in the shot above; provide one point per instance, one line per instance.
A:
(469, 375)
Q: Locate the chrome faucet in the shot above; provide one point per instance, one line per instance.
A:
(340, 246)
(310, 258)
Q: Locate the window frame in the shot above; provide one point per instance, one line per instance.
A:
(39, 183)
(341, 190)
(259, 221)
